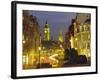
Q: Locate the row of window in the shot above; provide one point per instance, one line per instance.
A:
(83, 46)
(82, 28)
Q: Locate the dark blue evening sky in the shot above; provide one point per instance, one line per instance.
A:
(58, 21)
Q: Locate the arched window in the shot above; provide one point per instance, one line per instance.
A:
(88, 27)
(85, 27)
(82, 28)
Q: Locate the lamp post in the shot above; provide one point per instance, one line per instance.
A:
(39, 55)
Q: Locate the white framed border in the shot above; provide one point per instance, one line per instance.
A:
(58, 8)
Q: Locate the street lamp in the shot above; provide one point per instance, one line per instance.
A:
(60, 46)
(39, 48)
(76, 39)
(23, 40)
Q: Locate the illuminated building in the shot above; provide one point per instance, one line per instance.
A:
(31, 38)
(81, 38)
(46, 32)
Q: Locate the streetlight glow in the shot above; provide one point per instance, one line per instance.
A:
(39, 48)
(61, 46)
(24, 41)
(76, 39)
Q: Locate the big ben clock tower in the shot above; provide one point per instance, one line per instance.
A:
(46, 32)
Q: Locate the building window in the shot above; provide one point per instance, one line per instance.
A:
(83, 45)
(88, 45)
(82, 28)
(88, 28)
(31, 24)
(75, 30)
(88, 37)
(85, 36)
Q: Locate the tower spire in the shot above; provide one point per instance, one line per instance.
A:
(46, 22)
(60, 38)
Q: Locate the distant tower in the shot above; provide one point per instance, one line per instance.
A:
(46, 32)
(60, 38)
